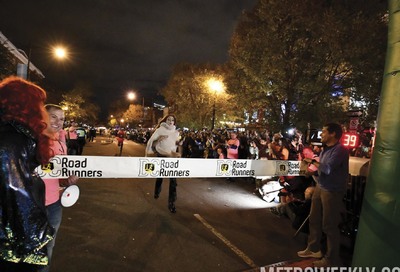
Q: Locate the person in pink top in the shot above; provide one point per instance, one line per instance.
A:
(57, 147)
(63, 136)
(72, 139)
(220, 153)
(232, 146)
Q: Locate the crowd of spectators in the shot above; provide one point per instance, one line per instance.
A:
(255, 145)
(250, 144)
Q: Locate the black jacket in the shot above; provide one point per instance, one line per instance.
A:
(24, 230)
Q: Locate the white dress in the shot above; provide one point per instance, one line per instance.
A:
(166, 147)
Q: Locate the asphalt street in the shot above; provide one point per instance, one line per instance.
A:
(117, 225)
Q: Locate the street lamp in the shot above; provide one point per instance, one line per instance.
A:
(216, 86)
(60, 52)
(131, 96)
(28, 57)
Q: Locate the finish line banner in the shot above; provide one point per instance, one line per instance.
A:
(153, 167)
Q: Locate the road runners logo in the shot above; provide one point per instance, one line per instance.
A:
(161, 168)
(148, 167)
(68, 166)
(234, 168)
(48, 167)
(288, 168)
(281, 168)
(224, 168)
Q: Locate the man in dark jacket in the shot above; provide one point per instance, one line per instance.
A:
(327, 200)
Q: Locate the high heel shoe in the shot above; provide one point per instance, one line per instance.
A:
(171, 207)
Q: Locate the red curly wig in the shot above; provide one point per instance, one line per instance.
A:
(23, 102)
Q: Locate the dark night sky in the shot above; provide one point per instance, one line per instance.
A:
(117, 45)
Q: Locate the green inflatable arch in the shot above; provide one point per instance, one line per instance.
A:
(378, 239)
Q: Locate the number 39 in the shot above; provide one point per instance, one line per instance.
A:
(350, 140)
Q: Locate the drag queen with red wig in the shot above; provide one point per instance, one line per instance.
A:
(24, 230)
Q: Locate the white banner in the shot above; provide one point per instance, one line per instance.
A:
(149, 167)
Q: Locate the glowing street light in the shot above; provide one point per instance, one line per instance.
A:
(217, 86)
(131, 96)
(60, 52)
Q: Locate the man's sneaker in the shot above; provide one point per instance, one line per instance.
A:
(322, 263)
(309, 254)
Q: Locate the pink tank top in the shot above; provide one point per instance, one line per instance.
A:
(233, 153)
(53, 185)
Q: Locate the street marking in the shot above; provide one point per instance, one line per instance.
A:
(237, 251)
